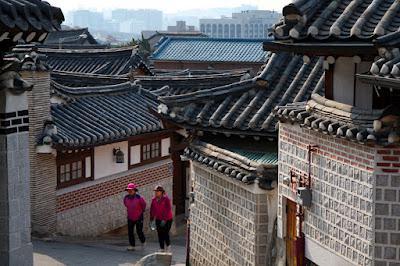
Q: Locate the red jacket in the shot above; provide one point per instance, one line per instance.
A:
(161, 209)
(135, 206)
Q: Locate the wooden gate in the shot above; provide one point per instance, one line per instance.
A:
(291, 258)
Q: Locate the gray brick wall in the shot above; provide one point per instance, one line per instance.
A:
(105, 214)
(387, 210)
(341, 216)
(43, 166)
(230, 222)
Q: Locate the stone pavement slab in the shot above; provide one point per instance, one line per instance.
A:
(99, 252)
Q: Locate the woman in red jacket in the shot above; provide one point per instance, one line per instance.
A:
(135, 206)
(161, 211)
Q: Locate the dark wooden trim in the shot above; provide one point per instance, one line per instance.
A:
(329, 82)
(144, 141)
(69, 158)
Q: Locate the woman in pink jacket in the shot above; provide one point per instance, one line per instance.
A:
(135, 206)
(161, 211)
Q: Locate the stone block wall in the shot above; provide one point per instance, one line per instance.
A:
(15, 220)
(43, 167)
(387, 207)
(230, 221)
(341, 217)
(96, 207)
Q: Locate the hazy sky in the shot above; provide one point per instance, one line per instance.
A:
(168, 6)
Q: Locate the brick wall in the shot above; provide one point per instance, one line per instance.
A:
(341, 216)
(387, 207)
(230, 221)
(43, 169)
(98, 208)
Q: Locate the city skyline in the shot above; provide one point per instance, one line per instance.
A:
(169, 6)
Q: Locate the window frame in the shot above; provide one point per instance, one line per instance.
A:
(68, 158)
(146, 141)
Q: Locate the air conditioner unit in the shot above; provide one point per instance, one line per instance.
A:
(304, 196)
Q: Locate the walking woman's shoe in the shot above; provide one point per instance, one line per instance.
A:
(131, 248)
(168, 249)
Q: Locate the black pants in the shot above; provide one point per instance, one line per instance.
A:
(139, 231)
(163, 233)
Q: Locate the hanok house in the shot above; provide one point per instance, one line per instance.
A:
(113, 61)
(71, 38)
(20, 21)
(339, 153)
(89, 137)
(97, 140)
(231, 133)
(208, 54)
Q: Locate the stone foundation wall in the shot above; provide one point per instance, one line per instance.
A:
(341, 217)
(97, 207)
(231, 222)
(387, 207)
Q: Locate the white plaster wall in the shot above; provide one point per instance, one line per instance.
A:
(165, 145)
(363, 90)
(343, 80)
(104, 161)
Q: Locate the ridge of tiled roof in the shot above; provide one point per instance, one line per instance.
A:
(245, 107)
(71, 93)
(344, 121)
(101, 119)
(86, 80)
(210, 49)
(71, 36)
(174, 85)
(113, 61)
(322, 20)
(232, 164)
(31, 20)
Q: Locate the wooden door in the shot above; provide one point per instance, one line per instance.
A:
(291, 259)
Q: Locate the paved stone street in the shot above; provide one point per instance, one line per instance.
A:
(107, 250)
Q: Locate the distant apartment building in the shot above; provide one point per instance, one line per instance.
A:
(253, 24)
(134, 21)
(93, 20)
(181, 27)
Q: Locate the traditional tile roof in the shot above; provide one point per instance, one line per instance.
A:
(68, 37)
(86, 80)
(106, 114)
(233, 164)
(31, 20)
(245, 107)
(173, 85)
(116, 61)
(323, 20)
(344, 121)
(385, 71)
(210, 50)
(69, 93)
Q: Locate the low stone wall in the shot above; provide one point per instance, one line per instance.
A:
(231, 223)
(98, 208)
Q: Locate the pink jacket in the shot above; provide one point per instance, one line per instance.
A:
(161, 209)
(135, 206)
